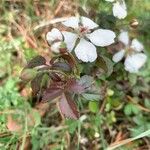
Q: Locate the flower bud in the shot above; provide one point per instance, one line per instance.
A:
(110, 92)
(58, 47)
(55, 47)
(134, 23)
(28, 74)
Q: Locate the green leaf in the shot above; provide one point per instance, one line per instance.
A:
(105, 64)
(131, 109)
(37, 118)
(94, 106)
(128, 109)
(72, 125)
(135, 109)
(91, 97)
(147, 103)
(132, 79)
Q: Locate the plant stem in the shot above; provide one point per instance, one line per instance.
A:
(102, 137)
(79, 131)
(25, 132)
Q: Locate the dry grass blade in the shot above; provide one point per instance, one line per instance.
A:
(53, 21)
(138, 105)
(123, 142)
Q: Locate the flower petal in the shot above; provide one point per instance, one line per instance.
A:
(102, 37)
(120, 10)
(124, 37)
(118, 56)
(72, 22)
(86, 51)
(134, 62)
(86, 22)
(69, 39)
(55, 47)
(136, 45)
(109, 0)
(53, 35)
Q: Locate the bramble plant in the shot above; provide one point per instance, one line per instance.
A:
(75, 75)
(77, 64)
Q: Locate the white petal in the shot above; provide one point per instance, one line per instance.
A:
(55, 47)
(124, 37)
(53, 35)
(119, 55)
(102, 37)
(109, 0)
(72, 22)
(86, 22)
(134, 62)
(136, 45)
(120, 10)
(69, 39)
(86, 51)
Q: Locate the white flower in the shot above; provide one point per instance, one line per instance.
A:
(55, 39)
(135, 59)
(83, 140)
(119, 8)
(84, 39)
(82, 118)
(97, 135)
(109, 0)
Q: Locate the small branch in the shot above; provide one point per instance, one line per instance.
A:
(103, 105)
(47, 23)
(138, 105)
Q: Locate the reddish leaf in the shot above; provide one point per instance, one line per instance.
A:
(66, 58)
(37, 61)
(53, 60)
(51, 93)
(62, 66)
(55, 77)
(115, 47)
(75, 86)
(69, 60)
(36, 84)
(68, 107)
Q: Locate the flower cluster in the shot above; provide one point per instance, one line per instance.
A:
(83, 39)
(132, 51)
(86, 35)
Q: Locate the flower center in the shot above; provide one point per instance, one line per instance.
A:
(82, 31)
(129, 51)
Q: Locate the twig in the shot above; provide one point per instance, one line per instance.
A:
(103, 105)
(141, 107)
(59, 7)
(47, 23)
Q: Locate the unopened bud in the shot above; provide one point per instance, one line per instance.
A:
(55, 47)
(28, 74)
(110, 92)
(134, 23)
(58, 47)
